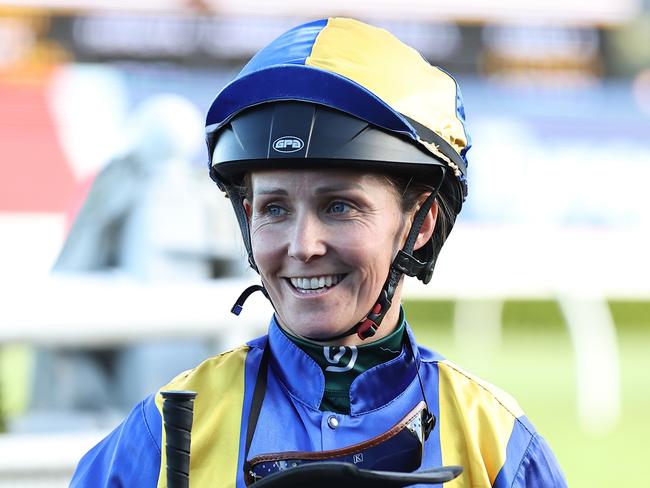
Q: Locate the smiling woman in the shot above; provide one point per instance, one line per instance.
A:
(323, 242)
(343, 153)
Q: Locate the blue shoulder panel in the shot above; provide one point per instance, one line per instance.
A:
(530, 463)
(120, 459)
(539, 468)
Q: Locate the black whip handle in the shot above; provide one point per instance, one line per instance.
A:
(178, 412)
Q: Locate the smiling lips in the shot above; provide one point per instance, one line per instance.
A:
(315, 283)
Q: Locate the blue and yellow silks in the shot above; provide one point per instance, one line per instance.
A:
(478, 426)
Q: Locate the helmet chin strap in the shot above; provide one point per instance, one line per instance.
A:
(404, 263)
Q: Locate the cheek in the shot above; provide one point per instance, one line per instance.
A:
(382, 246)
(266, 245)
(371, 254)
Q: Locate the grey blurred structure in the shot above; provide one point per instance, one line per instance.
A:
(153, 217)
(149, 213)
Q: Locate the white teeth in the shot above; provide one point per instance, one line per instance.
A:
(315, 283)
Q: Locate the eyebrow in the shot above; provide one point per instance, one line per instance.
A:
(318, 191)
(270, 191)
(338, 187)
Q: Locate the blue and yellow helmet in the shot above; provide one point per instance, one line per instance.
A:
(357, 69)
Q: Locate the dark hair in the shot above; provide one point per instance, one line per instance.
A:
(411, 192)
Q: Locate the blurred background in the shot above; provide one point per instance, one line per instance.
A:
(119, 259)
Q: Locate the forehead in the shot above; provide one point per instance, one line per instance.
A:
(317, 181)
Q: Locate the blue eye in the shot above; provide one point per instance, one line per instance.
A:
(275, 210)
(339, 207)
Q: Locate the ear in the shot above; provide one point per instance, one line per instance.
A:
(429, 224)
(248, 208)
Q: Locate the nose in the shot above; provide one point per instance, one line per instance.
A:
(308, 238)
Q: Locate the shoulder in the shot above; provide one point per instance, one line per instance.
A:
(468, 390)
(222, 368)
(222, 384)
(483, 428)
(129, 454)
(474, 392)
(214, 377)
(484, 416)
(537, 468)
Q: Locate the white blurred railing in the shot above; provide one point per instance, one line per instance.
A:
(94, 309)
(39, 460)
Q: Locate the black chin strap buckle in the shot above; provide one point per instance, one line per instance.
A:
(411, 266)
(371, 323)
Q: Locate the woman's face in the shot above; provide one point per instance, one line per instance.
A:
(323, 242)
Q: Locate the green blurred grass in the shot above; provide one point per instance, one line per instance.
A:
(535, 364)
(15, 381)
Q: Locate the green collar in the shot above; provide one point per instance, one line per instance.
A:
(342, 364)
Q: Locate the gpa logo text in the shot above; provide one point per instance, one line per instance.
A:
(288, 144)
